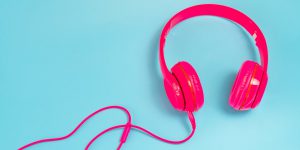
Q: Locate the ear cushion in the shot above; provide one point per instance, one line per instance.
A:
(190, 85)
(246, 86)
(174, 93)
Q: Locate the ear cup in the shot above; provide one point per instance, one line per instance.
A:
(246, 86)
(174, 93)
(261, 90)
(190, 86)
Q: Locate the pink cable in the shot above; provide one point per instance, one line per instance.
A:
(126, 130)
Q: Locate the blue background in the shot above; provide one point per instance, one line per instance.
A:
(60, 60)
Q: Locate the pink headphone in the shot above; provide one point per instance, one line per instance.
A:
(183, 86)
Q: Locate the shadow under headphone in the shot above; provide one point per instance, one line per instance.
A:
(183, 85)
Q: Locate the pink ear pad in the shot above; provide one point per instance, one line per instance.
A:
(190, 85)
(248, 86)
(174, 93)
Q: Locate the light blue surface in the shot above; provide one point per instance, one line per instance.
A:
(63, 59)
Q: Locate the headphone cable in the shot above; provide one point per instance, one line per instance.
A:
(127, 127)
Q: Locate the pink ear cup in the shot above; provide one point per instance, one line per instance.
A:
(174, 93)
(261, 90)
(246, 86)
(190, 85)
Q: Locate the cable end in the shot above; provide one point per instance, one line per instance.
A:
(192, 119)
(125, 132)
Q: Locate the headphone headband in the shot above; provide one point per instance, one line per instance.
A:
(219, 11)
